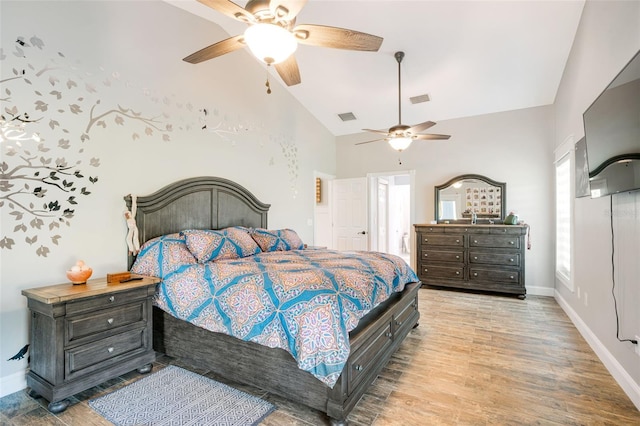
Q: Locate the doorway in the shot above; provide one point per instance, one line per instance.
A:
(391, 212)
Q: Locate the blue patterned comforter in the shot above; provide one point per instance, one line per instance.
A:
(303, 301)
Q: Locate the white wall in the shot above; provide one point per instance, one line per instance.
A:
(513, 147)
(90, 58)
(607, 38)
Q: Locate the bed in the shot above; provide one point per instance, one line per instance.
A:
(212, 203)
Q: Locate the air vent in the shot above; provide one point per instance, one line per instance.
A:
(420, 99)
(347, 116)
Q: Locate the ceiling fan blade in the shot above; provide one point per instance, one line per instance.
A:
(382, 132)
(337, 38)
(216, 49)
(230, 9)
(288, 71)
(286, 10)
(431, 137)
(421, 127)
(375, 140)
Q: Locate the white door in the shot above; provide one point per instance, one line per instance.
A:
(350, 227)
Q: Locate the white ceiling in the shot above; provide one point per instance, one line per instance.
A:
(471, 57)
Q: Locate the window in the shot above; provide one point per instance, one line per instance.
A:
(563, 220)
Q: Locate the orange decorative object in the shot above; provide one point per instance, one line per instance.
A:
(79, 273)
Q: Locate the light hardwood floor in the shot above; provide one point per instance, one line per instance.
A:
(475, 359)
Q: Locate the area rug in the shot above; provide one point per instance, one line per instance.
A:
(175, 396)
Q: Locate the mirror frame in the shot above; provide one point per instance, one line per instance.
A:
(488, 181)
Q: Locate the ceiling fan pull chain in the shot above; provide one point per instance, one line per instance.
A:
(268, 85)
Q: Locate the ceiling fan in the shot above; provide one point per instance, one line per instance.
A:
(273, 36)
(400, 136)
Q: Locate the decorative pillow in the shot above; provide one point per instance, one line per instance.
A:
(162, 255)
(273, 240)
(228, 243)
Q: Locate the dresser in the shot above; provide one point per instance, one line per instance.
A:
(478, 257)
(83, 335)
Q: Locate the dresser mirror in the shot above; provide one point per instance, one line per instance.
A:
(469, 198)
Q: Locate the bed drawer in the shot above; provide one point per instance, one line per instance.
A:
(364, 358)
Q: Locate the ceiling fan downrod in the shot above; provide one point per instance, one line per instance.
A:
(399, 56)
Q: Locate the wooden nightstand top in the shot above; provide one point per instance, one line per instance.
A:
(65, 292)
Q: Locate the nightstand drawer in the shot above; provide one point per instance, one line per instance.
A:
(93, 356)
(89, 324)
(106, 300)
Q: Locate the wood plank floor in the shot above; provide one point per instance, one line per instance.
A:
(475, 359)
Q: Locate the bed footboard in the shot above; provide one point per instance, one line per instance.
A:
(376, 338)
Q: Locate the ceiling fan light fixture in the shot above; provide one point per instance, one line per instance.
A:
(400, 143)
(270, 43)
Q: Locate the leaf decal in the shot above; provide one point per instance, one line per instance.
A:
(32, 240)
(7, 243)
(42, 251)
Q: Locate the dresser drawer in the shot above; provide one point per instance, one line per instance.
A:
(89, 324)
(103, 353)
(431, 272)
(442, 240)
(442, 256)
(496, 241)
(432, 230)
(105, 301)
(489, 258)
(365, 356)
(494, 275)
(400, 320)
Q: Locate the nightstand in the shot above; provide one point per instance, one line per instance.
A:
(83, 335)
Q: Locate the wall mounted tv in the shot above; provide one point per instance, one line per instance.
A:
(612, 134)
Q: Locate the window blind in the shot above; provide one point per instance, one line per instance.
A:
(563, 219)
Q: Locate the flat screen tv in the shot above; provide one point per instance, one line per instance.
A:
(612, 134)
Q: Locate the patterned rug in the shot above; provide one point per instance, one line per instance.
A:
(175, 396)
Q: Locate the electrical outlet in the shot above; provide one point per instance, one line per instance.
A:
(637, 345)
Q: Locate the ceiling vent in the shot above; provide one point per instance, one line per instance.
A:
(420, 99)
(347, 116)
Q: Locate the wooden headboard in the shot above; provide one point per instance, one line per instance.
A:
(197, 203)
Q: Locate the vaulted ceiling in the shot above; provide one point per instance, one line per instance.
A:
(470, 57)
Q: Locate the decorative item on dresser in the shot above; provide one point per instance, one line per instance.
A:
(478, 257)
(83, 335)
(210, 203)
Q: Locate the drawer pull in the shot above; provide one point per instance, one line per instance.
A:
(426, 240)
(457, 241)
(475, 274)
(110, 350)
(457, 257)
(112, 299)
(511, 277)
(426, 255)
(110, 321)
(475, 241)
(388, 334)
(475, 257)
(399, 323)
(510, 260)
(358, 367)
(457, 272)
(512, 242)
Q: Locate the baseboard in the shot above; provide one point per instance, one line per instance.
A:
(541, 291)
(13, 383)
(626, 382)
